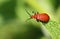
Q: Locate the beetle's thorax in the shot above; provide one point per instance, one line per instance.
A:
(35, 16)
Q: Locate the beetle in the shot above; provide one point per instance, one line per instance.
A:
(43, 17)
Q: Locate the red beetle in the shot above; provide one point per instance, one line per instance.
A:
(43, 17)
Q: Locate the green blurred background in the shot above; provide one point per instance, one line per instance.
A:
(13, 17)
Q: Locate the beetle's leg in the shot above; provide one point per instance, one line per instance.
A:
(33, 12)
(37, 20)
(37, 12)
(27, 19)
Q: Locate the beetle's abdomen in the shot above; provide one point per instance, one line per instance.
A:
(43, 17)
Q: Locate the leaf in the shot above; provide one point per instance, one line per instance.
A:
(54, 28)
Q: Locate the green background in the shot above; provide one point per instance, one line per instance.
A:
(13, 17)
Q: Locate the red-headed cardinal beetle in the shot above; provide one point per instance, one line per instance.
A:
(43, 17)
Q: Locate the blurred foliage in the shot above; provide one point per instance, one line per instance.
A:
(13, 17)
(55, 3)
(7, 10)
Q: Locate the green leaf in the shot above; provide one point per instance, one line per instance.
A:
(54, 29)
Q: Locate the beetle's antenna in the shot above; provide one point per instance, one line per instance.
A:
(28, 12)
(27, 19)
